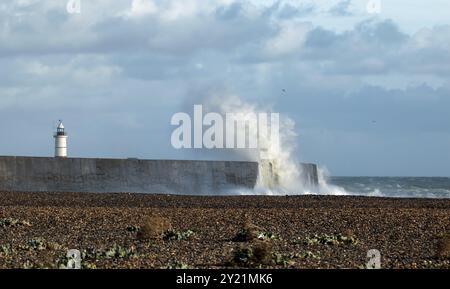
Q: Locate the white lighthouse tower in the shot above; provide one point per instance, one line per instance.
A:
(60, 141)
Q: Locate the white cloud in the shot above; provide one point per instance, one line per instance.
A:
(143, 7)
(290, 38)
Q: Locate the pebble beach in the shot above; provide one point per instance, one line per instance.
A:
(37, 229)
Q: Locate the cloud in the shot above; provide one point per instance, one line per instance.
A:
(375, 47)
(240, 31)
(142, 7)
(289, 39)
(342, 8)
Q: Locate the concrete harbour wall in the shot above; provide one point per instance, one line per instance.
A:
(125, 175)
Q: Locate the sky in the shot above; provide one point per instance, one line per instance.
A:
(369, 91)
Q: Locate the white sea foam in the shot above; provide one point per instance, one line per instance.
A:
(286, 165)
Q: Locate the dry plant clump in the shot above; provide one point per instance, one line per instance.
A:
(254, 255)
(248, 232)
(257, 251)
(154, 227)
(262, 253)
(443, 246)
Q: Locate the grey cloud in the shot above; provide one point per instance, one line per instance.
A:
(341, 9)
(53, 30)
(283, 10)
(374, 47)
(229, 12)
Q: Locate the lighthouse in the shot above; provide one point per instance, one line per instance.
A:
(60, 141)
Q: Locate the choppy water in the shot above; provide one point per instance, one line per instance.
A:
(417, 187)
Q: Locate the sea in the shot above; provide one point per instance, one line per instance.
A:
(399, 187)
